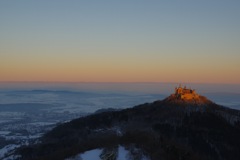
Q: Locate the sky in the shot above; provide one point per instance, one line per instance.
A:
(192, 41)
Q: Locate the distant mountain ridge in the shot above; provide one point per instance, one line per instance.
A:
(178, 127)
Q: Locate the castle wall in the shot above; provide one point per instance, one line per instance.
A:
(184, 93)
(189, 96)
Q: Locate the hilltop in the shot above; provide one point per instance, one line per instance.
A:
(185, 125)
(187, 96)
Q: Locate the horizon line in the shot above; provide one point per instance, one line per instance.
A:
(120, 82)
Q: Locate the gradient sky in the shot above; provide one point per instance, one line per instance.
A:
(120, 41)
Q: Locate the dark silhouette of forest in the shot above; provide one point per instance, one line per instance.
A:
(169, 129)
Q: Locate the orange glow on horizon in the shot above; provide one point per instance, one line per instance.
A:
(111, 73)
(120, 41)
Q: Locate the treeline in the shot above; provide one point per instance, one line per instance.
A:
(160, 130)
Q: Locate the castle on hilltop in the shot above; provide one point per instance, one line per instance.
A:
(185, 93)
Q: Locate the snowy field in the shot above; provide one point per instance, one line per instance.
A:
(121, 153)
(27, 115)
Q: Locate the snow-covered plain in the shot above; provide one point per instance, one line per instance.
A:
(5, 151)
(121, 154)
(27, 115)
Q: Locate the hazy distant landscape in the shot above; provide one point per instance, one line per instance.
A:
(27, 112)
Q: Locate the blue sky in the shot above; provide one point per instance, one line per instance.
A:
(163, 41)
